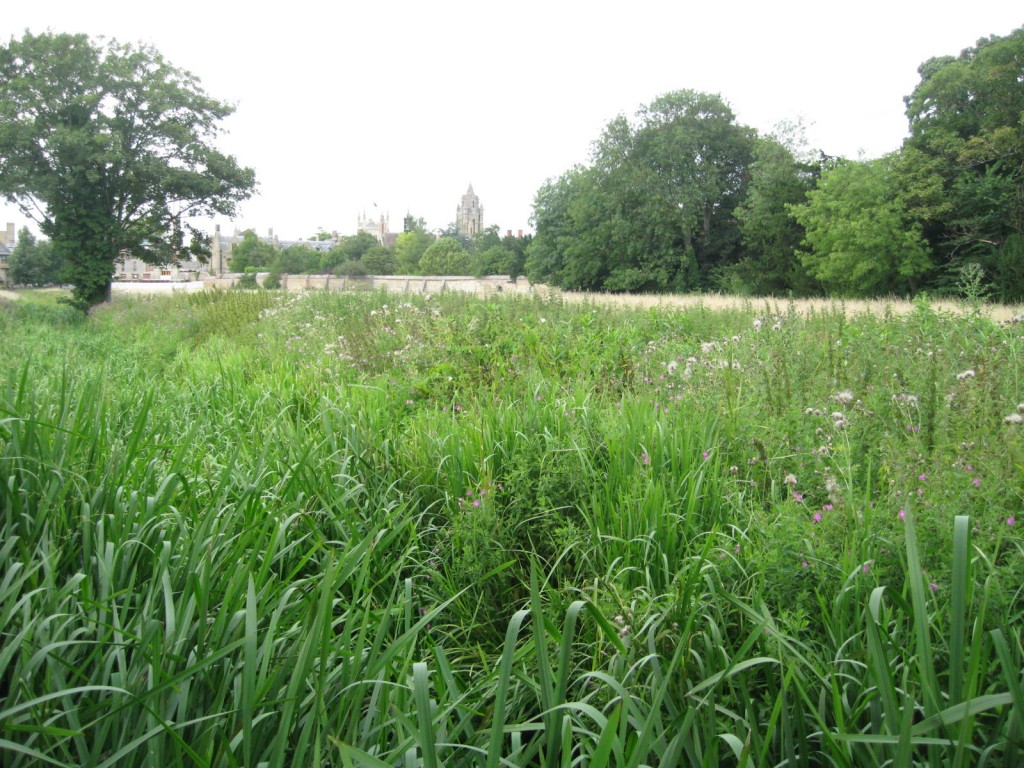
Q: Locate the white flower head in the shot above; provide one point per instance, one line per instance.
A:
(845, 397)
(968, 374)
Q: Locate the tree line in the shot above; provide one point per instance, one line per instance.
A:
(682, 197)
(110, 149)
(416, 251)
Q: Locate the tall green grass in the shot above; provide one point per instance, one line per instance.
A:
(252, 529)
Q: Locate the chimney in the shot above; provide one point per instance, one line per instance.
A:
(520, 235)
(508, 233)
(9, 234)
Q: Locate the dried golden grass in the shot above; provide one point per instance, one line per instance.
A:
(776, 305)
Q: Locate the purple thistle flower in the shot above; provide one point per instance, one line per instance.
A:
(976, 481)
(817, 517)
(1011, 521)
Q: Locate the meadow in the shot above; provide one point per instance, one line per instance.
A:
(265, 529)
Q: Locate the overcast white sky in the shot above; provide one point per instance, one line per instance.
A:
(404, 104)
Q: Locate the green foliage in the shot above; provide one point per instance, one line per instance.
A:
(337, 528)
(256, 527)
(251, 253)
(654, 211)
(771, 236)
(113, 147)
(446, 256)
(497, 260)
(351, 268)
(34, 263)
(861, 241)
(409, 249)
(296, 260)
(247, 279)
(963, 163)
(379, 261)
(348, 249)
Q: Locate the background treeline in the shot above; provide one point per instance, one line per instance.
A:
(34, 262)
(416, 251)
(683, 197)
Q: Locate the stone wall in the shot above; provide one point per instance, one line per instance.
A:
(151, 287)
(481, 286)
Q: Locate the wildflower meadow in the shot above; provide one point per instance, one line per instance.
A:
(269, 529)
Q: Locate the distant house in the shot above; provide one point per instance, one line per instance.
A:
(6, 249)
(220, 247)
(130, 268)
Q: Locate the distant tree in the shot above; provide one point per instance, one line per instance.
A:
(111, 149)
(349, 248)
(497, 260)
(446, 257)
(34, 262)
(379, 261)
(486, 239)
(770, 235)
(552, 255)
(653, 211)
(251, 252)
(350, 268)
(517, 246)
(409, 249)
(296, 260)
(861, 240)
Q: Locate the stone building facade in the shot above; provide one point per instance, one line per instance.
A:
(6, 249)
(469, 216)
(220, 247)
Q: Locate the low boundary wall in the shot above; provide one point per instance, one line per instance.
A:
(480, 286)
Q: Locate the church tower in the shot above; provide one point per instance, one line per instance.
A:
(469, 217)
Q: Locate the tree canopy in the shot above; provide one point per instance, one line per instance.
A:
(861, 241)
(683, 197)
(110, 149)
(963, 164)
(34, 262)
(654, 210)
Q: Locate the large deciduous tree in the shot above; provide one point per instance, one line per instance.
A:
(771, 236)
(654, 210)
(110, 149)
(861, 241)
(962, 167)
